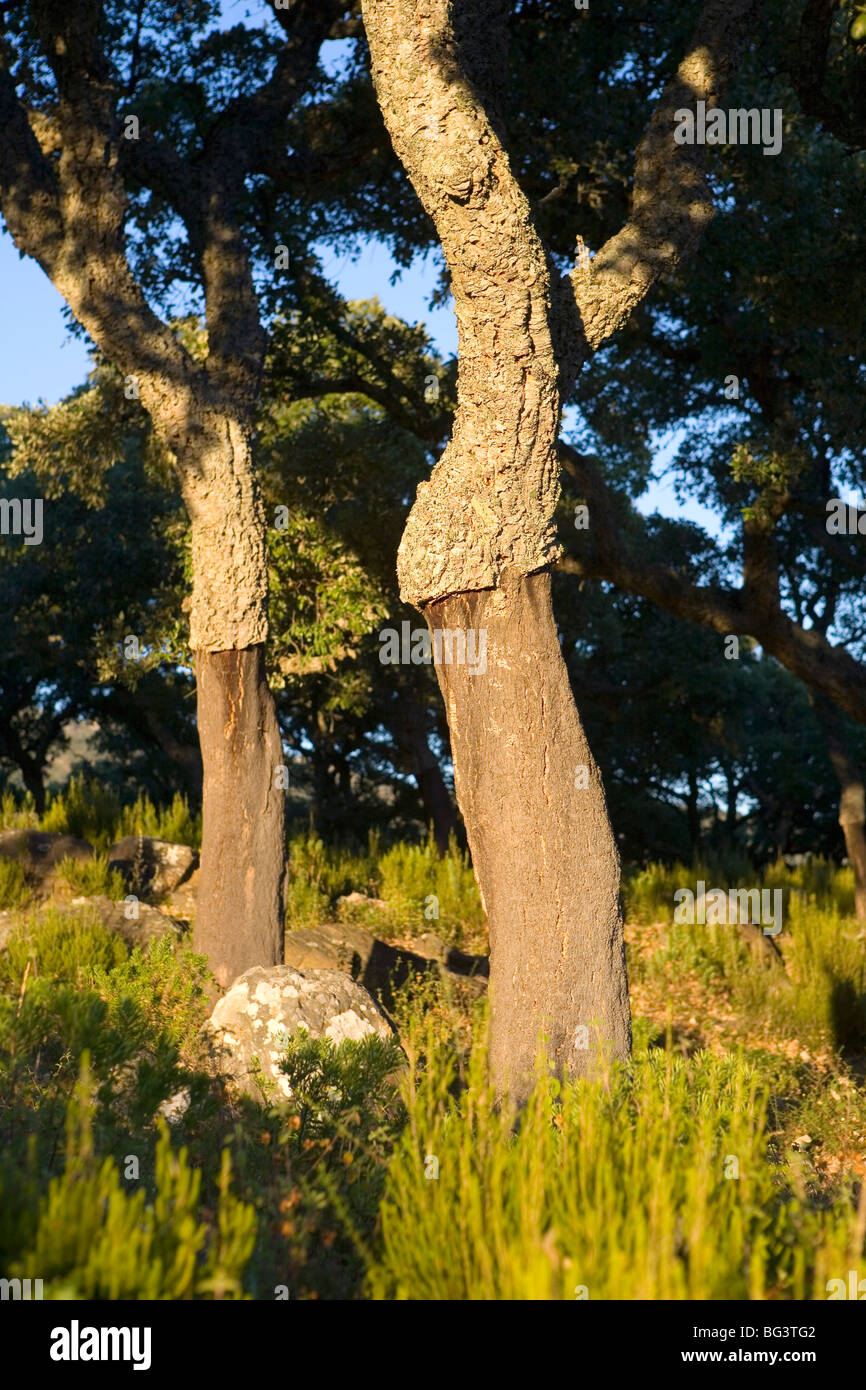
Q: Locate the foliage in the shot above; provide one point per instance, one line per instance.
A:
(90, 877)
(94, 1238)
(336, 1136)
(14, 891)
(60, 946)
(653, 1182)
(94, 811)
(416, 889)
(617, 1185)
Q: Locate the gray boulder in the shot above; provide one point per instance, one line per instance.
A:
(377, 965)
(135, 922)
(266, 1005)
(152, 867)
(42, 850)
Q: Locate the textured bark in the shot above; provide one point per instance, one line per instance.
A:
(229, 546)
(490, 500)
(239, 919)
(482, 529)
(541, 842)
(671, 200)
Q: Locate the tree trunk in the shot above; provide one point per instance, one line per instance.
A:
(694, 817)
(31, 775)
(538, 830)
(239, 917)
(412, 735)
(852, 802)
(852, 818)
(481, 535)
(240, 911)
(71, 215)
(731, 812)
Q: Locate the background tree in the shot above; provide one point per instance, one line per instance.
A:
(752, 357)
(108, 573)
(135, 140)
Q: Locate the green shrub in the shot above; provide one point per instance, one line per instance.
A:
(175, 823)
(334, 1139)
(653, 1183)
(89, 877)
(18, 812)
(167, 985)
(421, 891)
(62, 945)
(318, 875)
(138, 1019)
(94, 1238)
(85, 809)
(424, 891)
(648, 893)
(14, 891)
(97, 814)
(824, 958)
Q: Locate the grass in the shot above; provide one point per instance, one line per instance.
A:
(14, 891)
(96, 813)
(90, 877)
(59, 946)
(726, 1160)
(648, 893)
(417, 890)
(660, 1182)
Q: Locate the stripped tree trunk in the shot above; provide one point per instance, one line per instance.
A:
(243, 844)
(239, 913)
(481, 535)
(542, 848)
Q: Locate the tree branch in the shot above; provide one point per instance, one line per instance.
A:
(805, 653)
(808, 66)
(671, 203)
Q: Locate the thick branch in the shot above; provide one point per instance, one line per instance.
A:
(806, 653)
(808, 71)
(430, 430)
(671, 203)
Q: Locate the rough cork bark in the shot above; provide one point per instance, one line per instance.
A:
(481, 531)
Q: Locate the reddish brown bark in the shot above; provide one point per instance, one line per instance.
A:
(240, 914)
(541, 842)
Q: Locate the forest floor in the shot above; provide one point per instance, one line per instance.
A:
(748, 1063)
